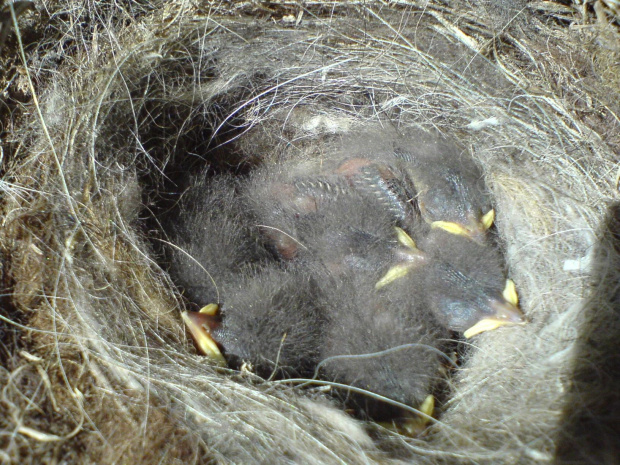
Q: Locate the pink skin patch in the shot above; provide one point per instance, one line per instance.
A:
(352, 167)
(287, 248)
(289, 198)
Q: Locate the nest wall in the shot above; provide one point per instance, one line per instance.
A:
(96, 366)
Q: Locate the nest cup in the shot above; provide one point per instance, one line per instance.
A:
(96, 365)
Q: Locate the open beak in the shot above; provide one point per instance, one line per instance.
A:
(199, 325)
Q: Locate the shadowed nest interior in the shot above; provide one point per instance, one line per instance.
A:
(117, 101)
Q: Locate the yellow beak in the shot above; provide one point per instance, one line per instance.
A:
(197, 324)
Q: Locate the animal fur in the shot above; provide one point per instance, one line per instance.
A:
(96, 366)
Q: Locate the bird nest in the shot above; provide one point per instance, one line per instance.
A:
(114, 104)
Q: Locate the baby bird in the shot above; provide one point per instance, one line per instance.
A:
(213, 238)
(270, 319)
(463, 283)
(372, 265)
(322, 218)
(384, 342)
(351, 233)
(450, 190)
(423, 173)
(272, 197)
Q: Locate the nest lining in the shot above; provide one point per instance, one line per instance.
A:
(98, 366)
